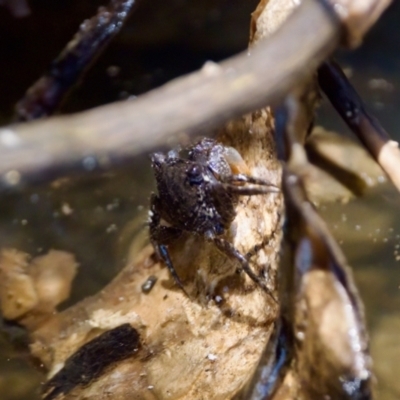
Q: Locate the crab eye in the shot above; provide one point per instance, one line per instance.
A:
(195, 175)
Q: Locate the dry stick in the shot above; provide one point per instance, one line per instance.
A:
(46, 94)
(351, 108)
(201, 100)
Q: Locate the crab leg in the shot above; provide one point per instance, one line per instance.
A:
(228, 249)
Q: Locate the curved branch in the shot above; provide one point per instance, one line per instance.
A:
(202, 100)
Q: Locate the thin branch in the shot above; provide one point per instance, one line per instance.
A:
(202, 100)
(94, 34)
(351, 108)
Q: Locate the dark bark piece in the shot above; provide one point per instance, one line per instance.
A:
(44, 97)
(91, 360)
(352, 109)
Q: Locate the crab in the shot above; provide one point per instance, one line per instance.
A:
(198, 195)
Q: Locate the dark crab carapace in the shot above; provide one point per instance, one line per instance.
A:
(198, 194)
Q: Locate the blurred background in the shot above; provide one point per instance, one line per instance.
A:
(95, 216)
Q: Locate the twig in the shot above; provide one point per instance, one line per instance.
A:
(94, 34)
(351, 108)
(202, 100)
